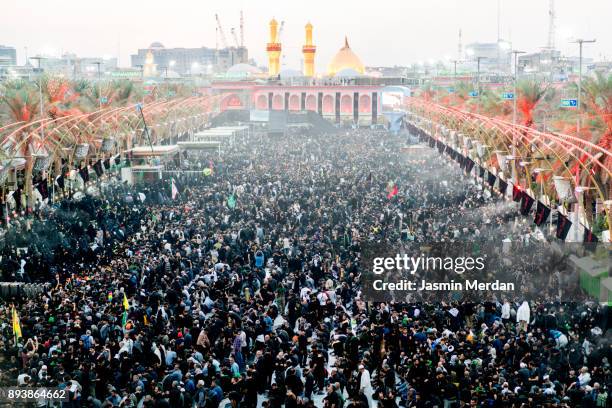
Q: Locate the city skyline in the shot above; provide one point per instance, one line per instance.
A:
(391, 33)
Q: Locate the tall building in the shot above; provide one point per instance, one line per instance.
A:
(8, 55)
(185, 61)
(72, 66)
(494, 56)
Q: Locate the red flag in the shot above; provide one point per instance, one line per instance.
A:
(393, 192)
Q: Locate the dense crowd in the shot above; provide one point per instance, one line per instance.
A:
(244, 290)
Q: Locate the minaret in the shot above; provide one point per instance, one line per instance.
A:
(149, 68)
(274, 50)
(308, 50)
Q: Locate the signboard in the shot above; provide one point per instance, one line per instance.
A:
(103, 99)
(474, 94)
(508, 95)
(451, 90)
(569, 103)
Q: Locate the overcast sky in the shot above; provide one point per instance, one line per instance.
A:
(381, 32)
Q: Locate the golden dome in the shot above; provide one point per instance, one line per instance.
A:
(345, 59)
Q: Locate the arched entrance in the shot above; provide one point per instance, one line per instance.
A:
(262, 102)
(231, 101)
(294, 103)
(346, 104)
(328, 104)
(365, 104)
(311, 103)
(277, 102)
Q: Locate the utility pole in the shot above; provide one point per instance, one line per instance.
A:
(578, 105)
(478, 82)
(98, 63)
(40, 94)
(514, 173)
(516, 54)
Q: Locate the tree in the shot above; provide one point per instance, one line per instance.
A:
(530, 93)
(598, 99)
(22, 100)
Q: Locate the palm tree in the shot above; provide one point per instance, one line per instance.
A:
(22, 100)
(598, 99)
(530, 93)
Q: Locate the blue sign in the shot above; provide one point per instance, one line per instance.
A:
(569, 103)
(103, 99)
(474, 94)
(451, 90)
(508, 95)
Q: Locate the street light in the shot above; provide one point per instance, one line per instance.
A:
(98, 63)
(42, 116)
(516, 54)
(580, 41)
(478, 80)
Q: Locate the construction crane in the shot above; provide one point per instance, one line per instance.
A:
(233, 32)
(551, 25)
(220, 30)
(280, 32)
(241, 29)
(279, 39)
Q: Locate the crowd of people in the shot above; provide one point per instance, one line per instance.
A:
(244, 290)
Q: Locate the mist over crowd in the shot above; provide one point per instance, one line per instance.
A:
(245, 289)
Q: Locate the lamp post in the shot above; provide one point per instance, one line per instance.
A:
(516, 54)
(40, 94)
(478, 81)
(580, 41)
(98, 63)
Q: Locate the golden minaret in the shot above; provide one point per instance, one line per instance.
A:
(274, 50)
(308, 50)
(149, 68)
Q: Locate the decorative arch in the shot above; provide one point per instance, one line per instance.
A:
(277, 102)
(346, 104)
(294, 103)
(328, 104)
(311, 102)
(365, 104)
(262, 102)
(231, 101)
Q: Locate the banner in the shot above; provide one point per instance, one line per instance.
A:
(563, 226)
(526, 203)
(542, 213)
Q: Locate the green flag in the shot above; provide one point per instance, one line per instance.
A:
(231, 201)
(124, 319)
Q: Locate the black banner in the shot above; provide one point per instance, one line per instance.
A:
(491, 179)
(517, 193)
(469, 164)
(563, 226)
(542, 214)
(526, 203)
(503, 186)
